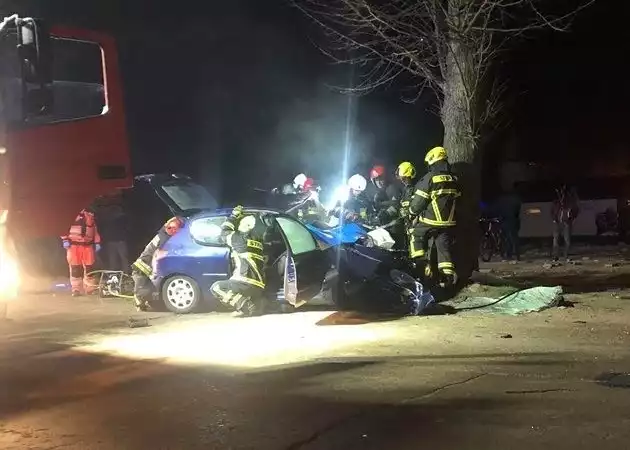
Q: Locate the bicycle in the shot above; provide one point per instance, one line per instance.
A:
(491, 239)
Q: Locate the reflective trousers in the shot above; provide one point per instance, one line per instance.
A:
(143, 288)
(419, 248)
(81, 259)
(235, 294)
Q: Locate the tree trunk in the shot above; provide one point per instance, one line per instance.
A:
(464, 156)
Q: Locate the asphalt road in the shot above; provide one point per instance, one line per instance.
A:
(75, 377)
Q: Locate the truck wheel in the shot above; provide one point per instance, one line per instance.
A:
(181, 294)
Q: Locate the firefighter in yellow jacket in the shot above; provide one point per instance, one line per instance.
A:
(432, 213)
(243, 290)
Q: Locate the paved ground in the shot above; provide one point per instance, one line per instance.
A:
(75, 377)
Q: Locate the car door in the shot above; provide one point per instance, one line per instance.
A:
(311, 263)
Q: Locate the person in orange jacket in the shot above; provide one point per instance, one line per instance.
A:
(81, 244)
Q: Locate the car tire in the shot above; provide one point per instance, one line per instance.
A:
(181, 294)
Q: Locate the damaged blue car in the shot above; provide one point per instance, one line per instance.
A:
(304, 267)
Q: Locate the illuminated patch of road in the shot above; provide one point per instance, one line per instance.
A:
(236, 342)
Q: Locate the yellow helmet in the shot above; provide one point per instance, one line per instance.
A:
(406, 170)
(435, 154)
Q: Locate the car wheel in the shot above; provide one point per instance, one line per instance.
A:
(181, 294)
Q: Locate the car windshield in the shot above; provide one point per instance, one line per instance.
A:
(189, 196)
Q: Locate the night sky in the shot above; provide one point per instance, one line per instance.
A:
(239, 97)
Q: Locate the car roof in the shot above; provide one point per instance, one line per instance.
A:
(222, 212)
(161, 177)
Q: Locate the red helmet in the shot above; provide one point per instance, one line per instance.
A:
(309, 184)
(377, 172)
(173, 225)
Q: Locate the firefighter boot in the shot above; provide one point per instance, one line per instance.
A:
(447, 275)
(247, 307)
(447, 280)
(423, 272)
(141, 305)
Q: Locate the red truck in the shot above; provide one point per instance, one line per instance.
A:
(63, 139)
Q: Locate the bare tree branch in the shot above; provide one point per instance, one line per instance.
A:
(439, 42)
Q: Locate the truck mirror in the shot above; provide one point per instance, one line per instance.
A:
(35, 54)
(34, 51)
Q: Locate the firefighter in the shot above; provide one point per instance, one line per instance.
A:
(82, 243)
(243, 290)
(357, 207)
(142, 268)
(294, 198)
(432, 210)
(406, 173)
(296, 187)
(307, 202)
(387, 195)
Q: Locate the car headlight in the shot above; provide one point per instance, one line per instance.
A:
(205, 231)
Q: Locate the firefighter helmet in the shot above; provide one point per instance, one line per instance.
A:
(173, 225)
(357, 183)
(309, 184)
(435, 154)
(406, 170)
(247, 224)
(377, 172)
(299, 181)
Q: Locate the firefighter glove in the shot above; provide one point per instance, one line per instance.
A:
(66, 244)
(351, 216)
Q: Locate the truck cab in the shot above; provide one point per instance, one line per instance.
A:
(63, 133)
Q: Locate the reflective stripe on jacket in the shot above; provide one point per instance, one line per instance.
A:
(435, 199)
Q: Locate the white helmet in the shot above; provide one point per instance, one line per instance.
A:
(357, 183)
(247, 224)
(299, 180)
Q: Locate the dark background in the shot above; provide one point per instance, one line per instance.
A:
(236, 94)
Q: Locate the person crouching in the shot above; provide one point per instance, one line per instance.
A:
(142, 268)
(244, 289)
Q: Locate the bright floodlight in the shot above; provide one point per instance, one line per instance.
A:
(340, 196)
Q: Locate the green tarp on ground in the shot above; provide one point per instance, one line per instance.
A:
(520, 302)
